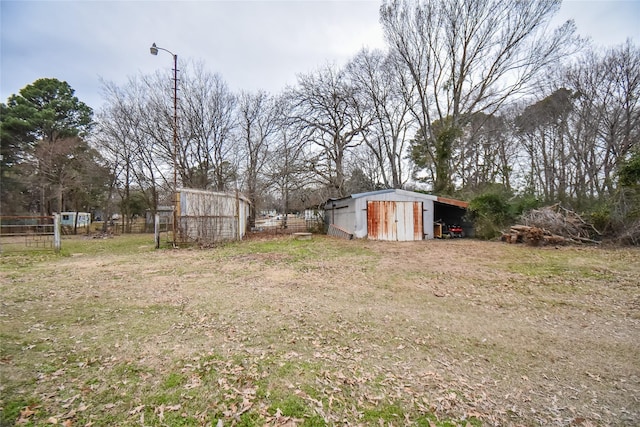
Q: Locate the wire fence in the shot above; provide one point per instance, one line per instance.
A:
(288, 225)
(20, 233)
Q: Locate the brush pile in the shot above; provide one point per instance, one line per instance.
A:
(551, 225)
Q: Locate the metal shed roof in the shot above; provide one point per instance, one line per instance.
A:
(443, 200)
(453, 202)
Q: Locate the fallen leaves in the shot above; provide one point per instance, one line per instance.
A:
(25, 414)
(159, 410)
(479, 342)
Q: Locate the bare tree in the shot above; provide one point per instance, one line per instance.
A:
(486, 152)
(364, 170)
(287, 170)
(259, 117)
(466, 57)
(206, 156)
(543, 126)
(57, 166)
(579, 134)
(127, 137)
(618, 100)
(382, 94)
(327, 116)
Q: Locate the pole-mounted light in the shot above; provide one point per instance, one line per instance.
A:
(154, 51)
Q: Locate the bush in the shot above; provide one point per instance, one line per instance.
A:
(600, 217)
(524, 203)
(490, 212)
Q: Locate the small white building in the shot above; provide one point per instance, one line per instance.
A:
(396, 215)
(75, 219)
(313, 214)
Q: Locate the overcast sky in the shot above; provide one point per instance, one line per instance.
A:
(252, 44)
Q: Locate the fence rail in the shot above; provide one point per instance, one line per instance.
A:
(19, 233)
(289, 226)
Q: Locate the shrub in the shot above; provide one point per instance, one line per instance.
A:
(490, 212)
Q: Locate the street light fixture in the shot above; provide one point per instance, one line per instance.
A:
(154, 51)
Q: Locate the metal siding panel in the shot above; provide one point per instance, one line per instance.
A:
(417, 221)
(212, 216)
(391, 220)
(395, 221)
(400, 221)
(390, 229)
(427, 219)
(373, 220)
(382, 220)
(406, 221)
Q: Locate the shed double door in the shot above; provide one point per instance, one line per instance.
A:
(397, 221)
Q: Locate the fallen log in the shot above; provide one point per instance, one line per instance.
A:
(536, 236)
(585, 240)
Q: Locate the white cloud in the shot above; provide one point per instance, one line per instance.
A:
(252, 44)
(606, 22)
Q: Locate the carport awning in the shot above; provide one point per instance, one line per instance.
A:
(453, 202)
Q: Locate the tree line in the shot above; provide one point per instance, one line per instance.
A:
(468, 97)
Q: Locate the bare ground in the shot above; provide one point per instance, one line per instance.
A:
(325, 332)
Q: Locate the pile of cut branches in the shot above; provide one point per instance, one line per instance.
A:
(551, 225)
(630, 234)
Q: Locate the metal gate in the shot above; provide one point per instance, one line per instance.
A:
(19, 233)
(397, 221)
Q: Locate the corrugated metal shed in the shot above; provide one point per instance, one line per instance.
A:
(391, 220)
(211, 217)
(390, 214)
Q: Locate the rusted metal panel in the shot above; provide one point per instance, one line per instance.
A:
(453, 202)
(404, 221)
(381, 220)
(418, 229)
(373, 220)
(388, 221)
(397, 221)
(408, 221)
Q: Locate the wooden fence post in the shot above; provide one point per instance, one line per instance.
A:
(57, 244)
(156, 230)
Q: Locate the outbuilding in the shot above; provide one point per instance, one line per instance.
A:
(396, 215)
(75, 219)
(211, 216)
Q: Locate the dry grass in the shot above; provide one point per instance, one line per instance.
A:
(320, 332)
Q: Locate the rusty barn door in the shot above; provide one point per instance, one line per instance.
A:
(397, 221)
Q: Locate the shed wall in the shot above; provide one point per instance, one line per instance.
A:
(210, 217)
(351, 213)
(360, 227)
(342, 213)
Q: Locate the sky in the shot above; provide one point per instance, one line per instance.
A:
(260, 44)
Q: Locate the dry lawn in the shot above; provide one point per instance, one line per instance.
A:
(321, 332)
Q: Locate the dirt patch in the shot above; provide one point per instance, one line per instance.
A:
(356, 332)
